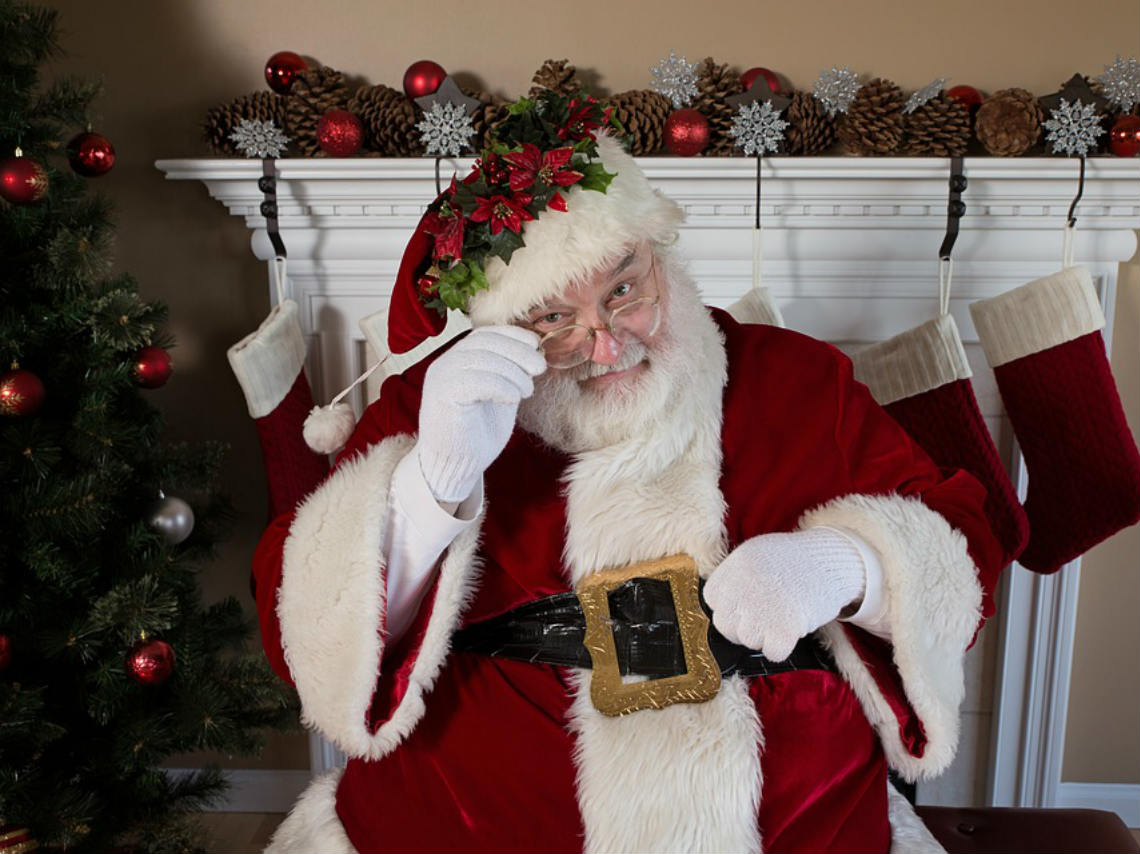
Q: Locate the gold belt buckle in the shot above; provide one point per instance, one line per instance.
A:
(699, 683)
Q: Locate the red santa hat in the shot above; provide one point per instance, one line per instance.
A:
(553, 199)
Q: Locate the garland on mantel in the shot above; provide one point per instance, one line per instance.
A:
(706, 108)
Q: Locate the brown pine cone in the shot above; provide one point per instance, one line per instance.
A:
(1009, 122)
(642, 112)
(938, 128)
(491, 112)
(221, 121)
(557, 75)
(314, 93)
(716, 82)
(389, 120)
(810, 129)
(874, 122)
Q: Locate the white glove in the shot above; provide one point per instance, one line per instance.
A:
(774, 589)
(470, 399)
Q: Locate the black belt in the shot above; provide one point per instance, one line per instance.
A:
(644, 623)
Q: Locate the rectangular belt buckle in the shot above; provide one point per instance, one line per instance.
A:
(699, 683)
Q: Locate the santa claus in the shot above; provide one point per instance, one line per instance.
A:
(498, 602)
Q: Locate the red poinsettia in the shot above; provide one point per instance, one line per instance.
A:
(551, 167)
(503, 210)
(446, 225)
(580, 124)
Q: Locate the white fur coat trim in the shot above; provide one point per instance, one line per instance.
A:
(331, 604)
(933, 607)
(312, 826)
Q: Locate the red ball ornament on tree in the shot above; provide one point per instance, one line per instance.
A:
(749, 76)
(340, 133)
(21, 393)
(90, 154)
(423, 78)
(686, 132)
(22, 179)
(152, 367)
(150, 662)
(1124, 139)
(5, 652)
(282, 69)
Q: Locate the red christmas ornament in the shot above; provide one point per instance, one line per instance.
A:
(340, 133)
(90, 154)
(686, 132)
(22, 180)
(1124, 138)
(152, 367)
(5, 652)
(21, 393)
(423, 78)
(747, 78)
(967, 95)
(282, 69)
(150, 662)
(16, 839)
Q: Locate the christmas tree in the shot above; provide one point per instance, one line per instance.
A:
(109, 661)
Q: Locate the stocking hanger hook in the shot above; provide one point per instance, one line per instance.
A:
(955, 210)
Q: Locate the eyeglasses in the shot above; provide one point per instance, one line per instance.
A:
(636, 320)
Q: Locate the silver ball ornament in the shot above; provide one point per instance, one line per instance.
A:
(172, 517)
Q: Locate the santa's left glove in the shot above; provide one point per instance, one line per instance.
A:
(774, 589)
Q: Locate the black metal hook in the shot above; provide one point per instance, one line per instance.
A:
(955, 209)
(438, 189)
(1072, 220)
(758, 158)
(267, 183)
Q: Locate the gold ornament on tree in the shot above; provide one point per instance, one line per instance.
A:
(1009, 122)
(873, 124)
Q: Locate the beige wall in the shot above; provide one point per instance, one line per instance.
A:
(166, 62)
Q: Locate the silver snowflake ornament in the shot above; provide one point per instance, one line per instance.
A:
(446, 129)
(1121, 83)
(255, 138)
(676, 79)
(924, 95)
(758, 128)
(1073, 128)
(836, 89)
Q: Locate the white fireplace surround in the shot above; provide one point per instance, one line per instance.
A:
(850, 256)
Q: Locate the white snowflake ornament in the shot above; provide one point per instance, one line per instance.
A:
(925, 95)
(1073, 128)
(758, 128)
(1121, 83)
(676, 79)
(836, 89)
(446, 129)
(255, 138)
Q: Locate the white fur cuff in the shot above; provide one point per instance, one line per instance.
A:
(933, 608)
(913, 362)
(266, 362)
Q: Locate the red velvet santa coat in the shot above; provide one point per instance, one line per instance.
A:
(459, 751)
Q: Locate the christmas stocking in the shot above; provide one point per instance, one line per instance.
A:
(757, 306)
(268, 365)
(1044, 344)
(921, 378)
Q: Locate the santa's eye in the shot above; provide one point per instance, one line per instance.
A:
(622, 290)
(549, 320)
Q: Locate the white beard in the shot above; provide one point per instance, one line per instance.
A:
(575, 419)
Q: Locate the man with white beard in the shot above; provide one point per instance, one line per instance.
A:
(498, 604)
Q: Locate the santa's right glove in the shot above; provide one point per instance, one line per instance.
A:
(774, 589)
(470, 399)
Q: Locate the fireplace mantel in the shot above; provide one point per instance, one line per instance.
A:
(850, 255)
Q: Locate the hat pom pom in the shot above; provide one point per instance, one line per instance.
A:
(328, 428)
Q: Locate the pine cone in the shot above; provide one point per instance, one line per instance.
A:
(714, 84)
(314, 93)
(221, 121)
(642, 113)
(1009, 122)
(810, 129)
(488, 116)
(939, 128)
(874, 122)
(389, 120)
(557, 75)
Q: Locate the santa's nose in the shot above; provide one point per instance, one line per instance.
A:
(607, 349)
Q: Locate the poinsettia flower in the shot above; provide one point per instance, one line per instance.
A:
(446, 225)
(557, 203)
(580, 125)
(503, 210)
(551, 167)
